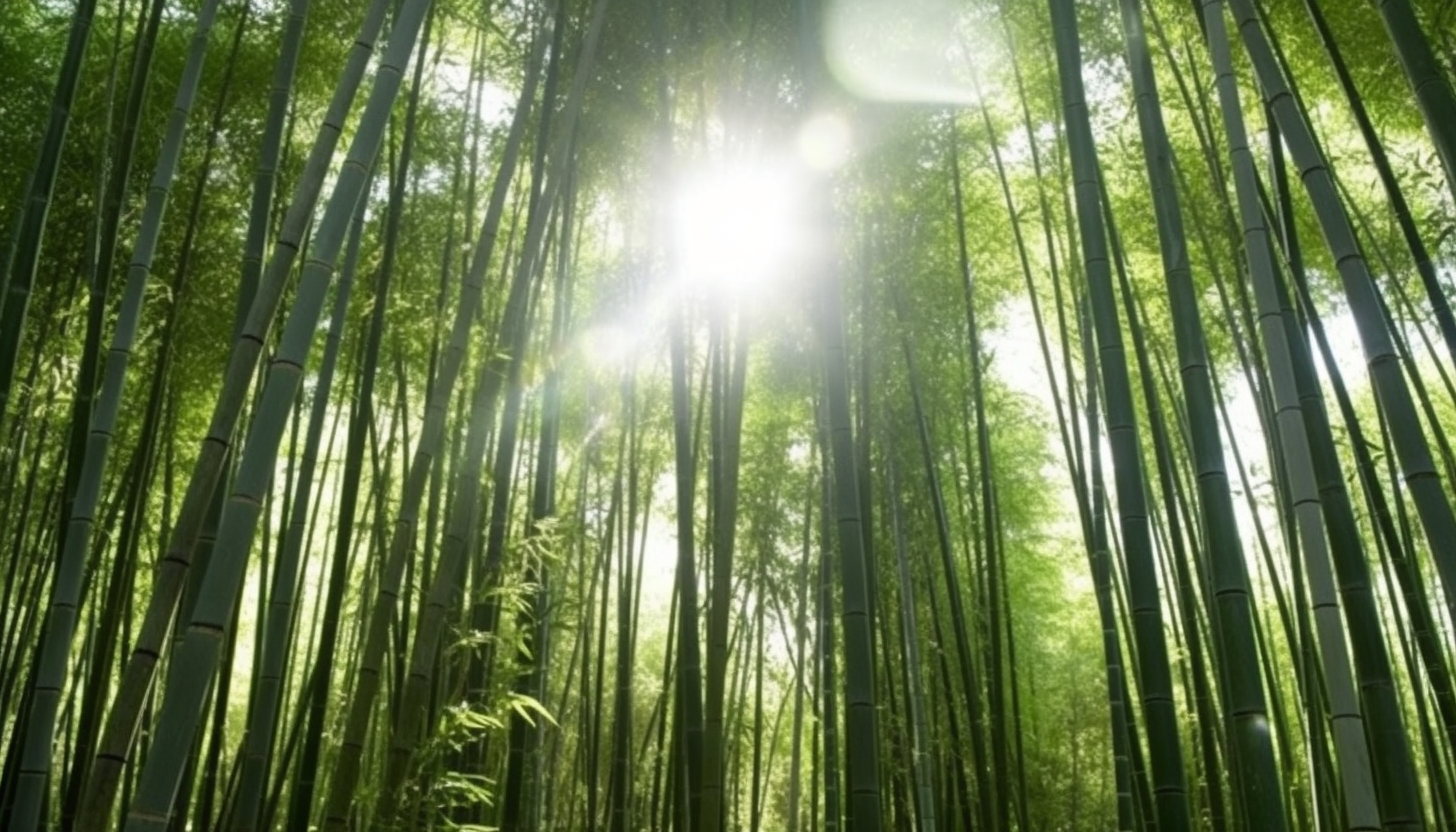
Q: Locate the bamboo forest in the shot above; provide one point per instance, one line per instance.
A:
(732, 416)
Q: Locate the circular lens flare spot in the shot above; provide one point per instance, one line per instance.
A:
(824, 141)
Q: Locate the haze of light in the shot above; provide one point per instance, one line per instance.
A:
(733, 226)
(738, 234)
(737, 225)
(905, 50)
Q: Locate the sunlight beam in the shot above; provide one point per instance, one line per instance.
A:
(735, 226)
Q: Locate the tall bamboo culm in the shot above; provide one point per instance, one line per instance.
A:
(52, 665)
(1154, 674)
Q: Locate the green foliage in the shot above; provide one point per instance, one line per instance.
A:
(678, 87)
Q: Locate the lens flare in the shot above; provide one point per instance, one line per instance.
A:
(734, 226)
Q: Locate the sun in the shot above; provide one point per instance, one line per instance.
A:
(735, 226)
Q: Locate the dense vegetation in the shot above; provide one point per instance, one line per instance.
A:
(638, 414)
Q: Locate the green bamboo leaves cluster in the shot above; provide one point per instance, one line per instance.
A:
(24, 259)
(1428, 80)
